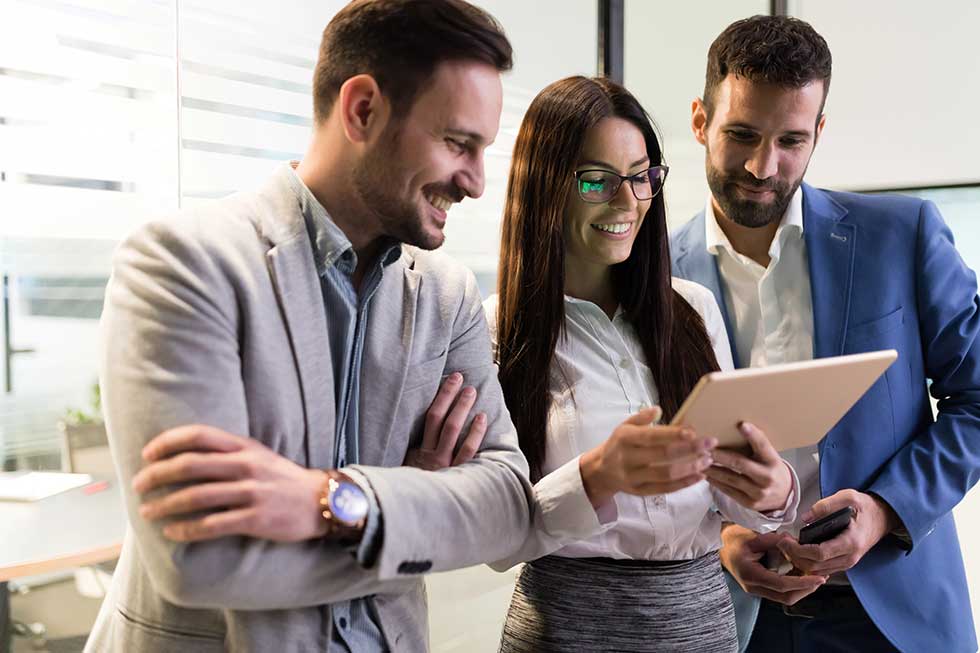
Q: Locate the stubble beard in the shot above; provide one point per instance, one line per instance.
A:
(377, 180)
(749, 213)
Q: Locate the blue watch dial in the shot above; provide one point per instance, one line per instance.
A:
(348, 503)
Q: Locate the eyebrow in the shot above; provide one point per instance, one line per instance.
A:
(597, 162)
(792, 132)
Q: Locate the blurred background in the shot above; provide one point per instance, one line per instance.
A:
(114, 112)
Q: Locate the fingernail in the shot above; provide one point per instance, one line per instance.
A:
(711, 443)
(482, 417)
(455, 377)
(469, 391)
(687, 433)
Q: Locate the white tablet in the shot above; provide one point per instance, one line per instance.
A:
(796, 404)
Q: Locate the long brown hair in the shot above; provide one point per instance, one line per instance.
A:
(531, 279)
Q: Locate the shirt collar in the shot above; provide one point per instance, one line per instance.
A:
(330, 243)
(791, 224)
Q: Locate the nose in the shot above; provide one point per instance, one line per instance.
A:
(624, 199)
(472, 178)
(763, 163)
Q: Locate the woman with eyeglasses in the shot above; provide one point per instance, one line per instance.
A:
(596, 346)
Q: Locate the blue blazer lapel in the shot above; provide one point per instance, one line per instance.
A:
(830, 244)
(693, 262)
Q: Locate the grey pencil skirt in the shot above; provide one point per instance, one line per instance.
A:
(599, 604)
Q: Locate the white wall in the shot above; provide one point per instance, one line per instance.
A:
(904, 94)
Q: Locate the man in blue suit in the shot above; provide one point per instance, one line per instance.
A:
(804, 273)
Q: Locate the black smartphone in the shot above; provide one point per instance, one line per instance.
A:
(826, 527)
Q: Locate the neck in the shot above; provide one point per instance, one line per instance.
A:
(591, 283)
(328, 175)
(753, 242)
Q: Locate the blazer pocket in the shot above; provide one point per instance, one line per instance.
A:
(428, 372)
(876, 327)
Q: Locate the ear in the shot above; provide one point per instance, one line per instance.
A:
(364, 111)
(820, 124)
(699, 120)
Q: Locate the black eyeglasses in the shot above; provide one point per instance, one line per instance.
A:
(600, 186)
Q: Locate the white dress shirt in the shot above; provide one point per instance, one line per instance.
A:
(771, 312)
(606, 380)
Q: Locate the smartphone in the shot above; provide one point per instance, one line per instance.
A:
(826, 527)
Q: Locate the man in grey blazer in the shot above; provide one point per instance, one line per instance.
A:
(269, 361)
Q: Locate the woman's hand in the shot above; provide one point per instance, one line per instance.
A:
(642, 458)
(761, 482)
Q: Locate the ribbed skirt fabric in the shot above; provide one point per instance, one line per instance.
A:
(597, 604)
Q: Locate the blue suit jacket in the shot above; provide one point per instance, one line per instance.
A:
(884, 274)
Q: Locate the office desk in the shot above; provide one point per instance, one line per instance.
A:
(71, 529)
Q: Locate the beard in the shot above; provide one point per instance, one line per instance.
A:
(380, 181)
(745, 212)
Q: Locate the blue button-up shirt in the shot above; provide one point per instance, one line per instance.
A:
(355, 622)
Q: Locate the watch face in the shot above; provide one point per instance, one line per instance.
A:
(348, 503)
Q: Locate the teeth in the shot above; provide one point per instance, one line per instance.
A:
(440, 202)
(619, 228)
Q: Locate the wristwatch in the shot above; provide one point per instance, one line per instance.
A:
(345, 507)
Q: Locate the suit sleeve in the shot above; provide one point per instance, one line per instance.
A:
(468, 514)
(170, 356)
(933, 472)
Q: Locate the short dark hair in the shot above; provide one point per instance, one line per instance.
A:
(400, 43)
(770, 49)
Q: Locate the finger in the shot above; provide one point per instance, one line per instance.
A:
(734, 492)
(785, 598)
(209, 527)
(455, 421)
(193, 437)
(738, 463)
(829, 505)
(206, 496)
(189, 467)
(439, 408)
(758, 576)
(765, 542)
(645, 416)
(760, 444)
(832, 566)
(474, 439)
(727, 478)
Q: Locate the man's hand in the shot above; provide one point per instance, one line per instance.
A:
(743, 552)
(761, 482)
(241, 486)
(444, 421)
(873, 520)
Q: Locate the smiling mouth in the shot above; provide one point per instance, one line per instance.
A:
(616, 228)
(439, 201)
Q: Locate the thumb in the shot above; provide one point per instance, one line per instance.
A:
(761, 447)
(826, 506)
(646, 416)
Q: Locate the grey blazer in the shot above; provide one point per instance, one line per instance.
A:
(216, 317)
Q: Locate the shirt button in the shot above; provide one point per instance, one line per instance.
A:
(626, 363)
(343, 623)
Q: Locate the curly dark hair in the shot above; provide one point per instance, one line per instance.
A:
(770, 49)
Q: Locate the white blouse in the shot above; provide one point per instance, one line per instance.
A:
(607, 381)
